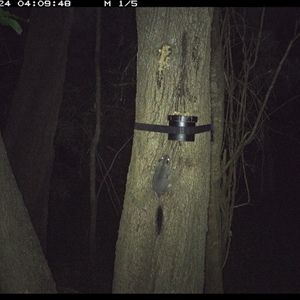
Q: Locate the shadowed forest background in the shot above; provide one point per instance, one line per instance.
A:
(264, 251)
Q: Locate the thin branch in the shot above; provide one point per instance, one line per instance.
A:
(112, 163)
(248, 136)
(258, 39)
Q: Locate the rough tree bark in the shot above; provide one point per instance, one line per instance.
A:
(32, 120)
(23, 268)
(172, 76)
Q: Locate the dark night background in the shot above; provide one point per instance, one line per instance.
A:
(264, 256)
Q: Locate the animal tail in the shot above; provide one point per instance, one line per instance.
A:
(159, 219)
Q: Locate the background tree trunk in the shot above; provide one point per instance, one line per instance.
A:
(213, 258)
(172, 76)
(23, 268)
(94, 144)
(32, 120)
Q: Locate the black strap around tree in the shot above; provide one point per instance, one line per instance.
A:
(173, 129)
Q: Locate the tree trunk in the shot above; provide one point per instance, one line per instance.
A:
(213, 263)
(32, 121)
(94, 144)
(23, 268)
(172, 76)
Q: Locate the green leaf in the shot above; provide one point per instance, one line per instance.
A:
(6, 19)
(13, 23)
